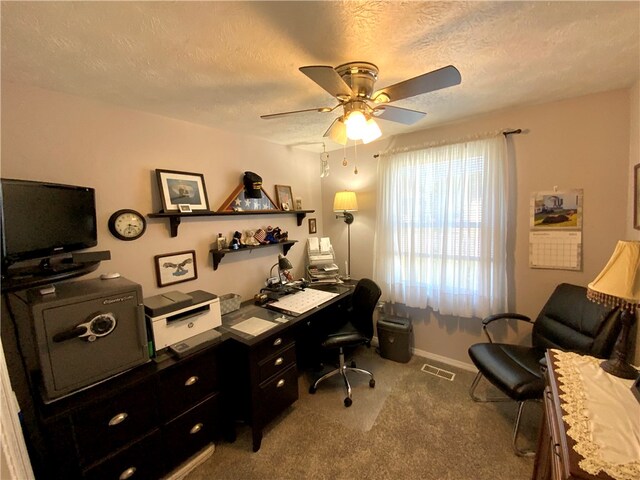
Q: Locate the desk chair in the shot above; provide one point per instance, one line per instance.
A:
(356, 329)
(568, 321)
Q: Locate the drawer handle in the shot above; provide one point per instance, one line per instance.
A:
(190, 381)
(280, 383)
(119, 418)
(196, 428)
(128, 473)
(278, 361)
(277, 342)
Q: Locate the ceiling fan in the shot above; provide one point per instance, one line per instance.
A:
(352, 85)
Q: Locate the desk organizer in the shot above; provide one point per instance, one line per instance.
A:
(229, 303)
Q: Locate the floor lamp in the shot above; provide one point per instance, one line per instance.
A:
(345, 202)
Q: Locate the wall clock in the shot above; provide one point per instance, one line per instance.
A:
(127, 224)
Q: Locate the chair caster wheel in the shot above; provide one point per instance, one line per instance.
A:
(347, 402)
(372, 383)
(312, 390)
(353, 364)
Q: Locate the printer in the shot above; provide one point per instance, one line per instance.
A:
(174, 317)
(321, 266)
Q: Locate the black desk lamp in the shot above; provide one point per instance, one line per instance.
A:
(619, 285)
(346, 202)
(283, 264)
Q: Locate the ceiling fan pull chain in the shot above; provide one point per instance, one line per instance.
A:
(344, 158)
(355, 155)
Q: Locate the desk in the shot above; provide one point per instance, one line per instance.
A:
(568, 408)
(263, 374)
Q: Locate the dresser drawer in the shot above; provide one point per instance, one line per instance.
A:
(190, 432)
(103, 428)
(136, 462)
(276, 363)
(274, 344)
(187, 383)
(278, 393)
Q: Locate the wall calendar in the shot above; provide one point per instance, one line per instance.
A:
(555, 235)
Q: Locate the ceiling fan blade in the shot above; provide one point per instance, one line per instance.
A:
(328, 79)
(337, 131)
(397, 114)
(282, 114)
(427, 82)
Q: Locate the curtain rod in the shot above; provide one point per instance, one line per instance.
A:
(505, 133)
(512, 132)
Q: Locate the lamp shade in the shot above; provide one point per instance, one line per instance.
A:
(356, 125)
(284, 263)
(618, 284)
(345, 202)
(371, 132)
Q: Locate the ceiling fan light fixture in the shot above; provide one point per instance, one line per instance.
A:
(371, 132)
(356, 125)
(382, 98)
(338, 132)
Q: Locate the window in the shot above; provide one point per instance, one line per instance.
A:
(441, 229)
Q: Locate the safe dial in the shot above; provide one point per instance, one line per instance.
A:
(100, 325)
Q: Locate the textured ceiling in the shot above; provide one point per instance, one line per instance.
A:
(224, 64)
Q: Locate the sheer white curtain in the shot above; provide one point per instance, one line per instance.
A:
(440, 237)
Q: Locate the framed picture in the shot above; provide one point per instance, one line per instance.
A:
(284, 197)
(312, 226)
(298, 203)
(182, 188)
(175, 268)
(636, 197)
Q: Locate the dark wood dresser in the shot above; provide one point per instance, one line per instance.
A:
(556, 457)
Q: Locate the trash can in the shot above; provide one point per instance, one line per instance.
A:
(394, 338)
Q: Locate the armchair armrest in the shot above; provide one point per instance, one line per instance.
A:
(501, 316)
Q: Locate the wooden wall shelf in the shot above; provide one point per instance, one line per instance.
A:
(218, 255)
(176, 217)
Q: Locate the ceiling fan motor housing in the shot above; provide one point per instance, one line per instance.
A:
(360, 76)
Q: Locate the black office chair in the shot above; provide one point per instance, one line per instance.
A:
(568, 321)
(356, 329)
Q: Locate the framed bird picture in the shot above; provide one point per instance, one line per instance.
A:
(175, 268)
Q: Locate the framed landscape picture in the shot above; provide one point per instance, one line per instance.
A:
(182, 188)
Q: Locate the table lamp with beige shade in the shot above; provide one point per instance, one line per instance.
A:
(618, 284)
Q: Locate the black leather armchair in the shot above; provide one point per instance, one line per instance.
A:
(355, 328)
(568, 321)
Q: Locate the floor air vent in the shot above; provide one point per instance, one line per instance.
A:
(438, 372)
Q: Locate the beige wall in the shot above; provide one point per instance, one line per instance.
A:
(577, 143)
(634, 155)
(61, 138)
(588, 142)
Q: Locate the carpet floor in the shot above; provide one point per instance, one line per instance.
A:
(412, 425)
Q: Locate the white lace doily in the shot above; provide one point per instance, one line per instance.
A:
(603, 416)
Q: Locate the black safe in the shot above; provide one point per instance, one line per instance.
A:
(84, 332)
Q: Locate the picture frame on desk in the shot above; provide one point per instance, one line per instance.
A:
(182, 188)
(178, 267)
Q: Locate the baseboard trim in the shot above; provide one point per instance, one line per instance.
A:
(446, 360)
(434, 356)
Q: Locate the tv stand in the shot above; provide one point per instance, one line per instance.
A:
(46, 272)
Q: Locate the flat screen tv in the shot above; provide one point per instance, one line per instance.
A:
(41, 220)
